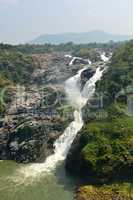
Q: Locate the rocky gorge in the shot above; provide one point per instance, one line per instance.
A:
(37, 120)
(39, 112)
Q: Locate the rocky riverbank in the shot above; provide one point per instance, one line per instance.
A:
(39, 113)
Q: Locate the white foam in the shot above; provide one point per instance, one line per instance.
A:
(104, 58)
(78, 58)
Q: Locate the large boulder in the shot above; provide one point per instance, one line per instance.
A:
(86, 75)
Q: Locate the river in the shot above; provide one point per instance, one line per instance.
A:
(53, 186)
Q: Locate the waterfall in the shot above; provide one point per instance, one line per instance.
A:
(77, 99)
(77, 58)
(89, 87)
(104, 57)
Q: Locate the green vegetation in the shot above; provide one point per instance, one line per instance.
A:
(66, 111)
(108, 148)
(68, 47)
(103, 150)
(120, 72)
(122, 191)
(87, 53)
(15, 66)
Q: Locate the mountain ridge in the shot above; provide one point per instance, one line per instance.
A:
(80, 38)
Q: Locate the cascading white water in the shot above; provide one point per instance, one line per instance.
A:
(62, 145)
(77, 58)
(89, 87)
(104, 57)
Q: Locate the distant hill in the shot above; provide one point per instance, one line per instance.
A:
(78, 38)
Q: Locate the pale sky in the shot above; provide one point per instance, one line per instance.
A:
(24, 20)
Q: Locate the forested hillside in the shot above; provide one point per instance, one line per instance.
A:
(120, 72)
(103, 150)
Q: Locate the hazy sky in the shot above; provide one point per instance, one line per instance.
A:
(23, 20)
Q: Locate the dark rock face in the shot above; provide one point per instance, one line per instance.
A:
(33, 141)
(31, 126)
(3, 145)
(72, 162)
(86, 75)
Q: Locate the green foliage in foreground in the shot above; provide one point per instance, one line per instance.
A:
(104, 150)
(108, 149)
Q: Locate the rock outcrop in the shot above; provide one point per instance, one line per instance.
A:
(86, 75)
(38, 113)
(54, 68)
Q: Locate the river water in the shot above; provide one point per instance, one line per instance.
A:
(48, 180)
(52, 186)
